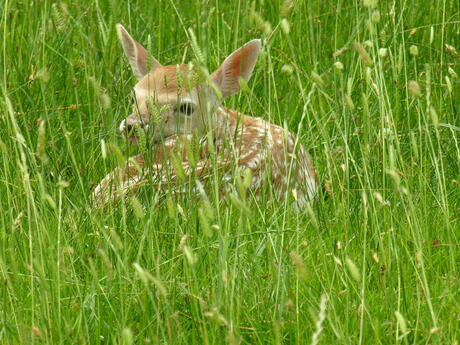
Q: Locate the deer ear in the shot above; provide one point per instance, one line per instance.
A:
(238, 64)
(136, 53)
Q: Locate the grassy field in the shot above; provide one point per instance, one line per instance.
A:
(371, 88)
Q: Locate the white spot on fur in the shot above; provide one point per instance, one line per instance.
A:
(253, 163)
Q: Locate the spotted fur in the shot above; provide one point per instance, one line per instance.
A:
(229, 143)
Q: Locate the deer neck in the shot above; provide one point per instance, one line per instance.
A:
(227, 122)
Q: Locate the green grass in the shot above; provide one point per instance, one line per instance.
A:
(378, 262)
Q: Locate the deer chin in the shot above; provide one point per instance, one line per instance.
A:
(133, 138)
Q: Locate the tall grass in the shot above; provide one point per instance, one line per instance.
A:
(370, 87)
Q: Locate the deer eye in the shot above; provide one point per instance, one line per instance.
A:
(186, 109)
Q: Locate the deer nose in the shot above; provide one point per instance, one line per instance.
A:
(130, 128)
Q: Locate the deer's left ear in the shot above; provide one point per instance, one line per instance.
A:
(136, 53)
(238, 64)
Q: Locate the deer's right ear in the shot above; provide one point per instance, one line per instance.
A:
(136, 53)
(239, 64)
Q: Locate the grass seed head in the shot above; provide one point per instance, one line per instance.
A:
(414, 88)
(43, 75)
(319, 322)
(317, 79)
(337, 260)
(285, 26)
(375, 17)
(401, 322)
(448, 84)
(298, 262)
(105, 100)
(41, 140)
(434, 116)
(452, 73)
(349, 102)
(59, 15)
(196, 48)
(63, 184)
(383, 52)
(137, 208)
(189, 255)
(338, 65)
(103, 149)
(286, 8)
(353, 269)
(115, 151)
(363, 54)
(260, 23)
(339, 52)
(36, 332)
(127, 336)
(451, 49)
(435, 330)
(370, 3)
(287, 69)
(375, 257)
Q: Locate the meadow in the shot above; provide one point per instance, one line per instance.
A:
(370, 87)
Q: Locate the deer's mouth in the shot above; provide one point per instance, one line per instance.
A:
(135, 136)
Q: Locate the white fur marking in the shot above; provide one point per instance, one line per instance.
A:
(122, 126)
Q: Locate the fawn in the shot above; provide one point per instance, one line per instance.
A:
(178, 109)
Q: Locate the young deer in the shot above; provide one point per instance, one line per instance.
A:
(177, 109)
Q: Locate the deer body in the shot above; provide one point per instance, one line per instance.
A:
(228, 141)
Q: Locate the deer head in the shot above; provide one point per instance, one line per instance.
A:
(172, 99)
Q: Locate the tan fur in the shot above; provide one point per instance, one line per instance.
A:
(239, 142)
